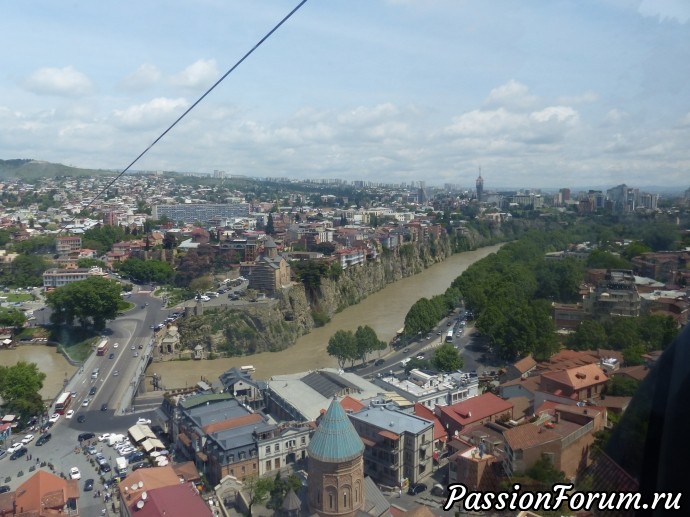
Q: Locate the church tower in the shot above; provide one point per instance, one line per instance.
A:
(336, 468)
(480, 186)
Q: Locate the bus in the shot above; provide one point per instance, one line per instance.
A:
(102, 347)
(449, 336)
(63, 402)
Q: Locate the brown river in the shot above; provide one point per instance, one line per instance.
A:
(384, 311)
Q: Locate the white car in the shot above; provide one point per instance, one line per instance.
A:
(69, 413)
(85, 403)
(74, 473)
(27, 439)
(103, 437)
(54, 418)
(143, 421)
(133, 347)
(116, 345)
(14, 447)
(127, 450)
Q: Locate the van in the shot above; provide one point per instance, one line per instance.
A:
(247, 369)
(95, 372)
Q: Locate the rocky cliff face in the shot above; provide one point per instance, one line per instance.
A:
(276, 324)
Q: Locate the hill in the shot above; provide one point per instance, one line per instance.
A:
(34, 169)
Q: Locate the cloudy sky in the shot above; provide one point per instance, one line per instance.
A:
(547, 93)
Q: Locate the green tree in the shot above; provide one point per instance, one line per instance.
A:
(447, 358)
(620, 386)
(20, 387)
(635, 249)
(91, 302)
(24, 270)
(367, 342)
(270, 229)
(545, 473)
(590, 335)
(90, 262)
(10, 317)
(343, 346)
(257, 490)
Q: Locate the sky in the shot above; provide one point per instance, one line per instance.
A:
(538, 94)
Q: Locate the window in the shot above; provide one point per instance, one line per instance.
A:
(277, 447)
(330, 501)
(345, 500)
(304, 440)
(268, 449)
(268, 465)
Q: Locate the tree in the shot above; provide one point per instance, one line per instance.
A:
(257, 490)
(590, 335)
(447, 358)
(343, 346)
(10, 317)
(23, 271)
(620, 386)
(270, 229)
(367, 341)
(545, 473)
(92, 301)
(20, 387)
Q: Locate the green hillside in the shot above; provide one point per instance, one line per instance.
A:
(34, 169)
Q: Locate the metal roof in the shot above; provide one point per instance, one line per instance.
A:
(335, 439)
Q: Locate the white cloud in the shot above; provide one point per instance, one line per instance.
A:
(587, 97)
(145, 76)
(197, 75)
(64, 82)
(676, 10)
(158, 112)
(512, 95)
(615, 116)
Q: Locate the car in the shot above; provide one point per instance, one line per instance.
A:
(74, 473)
(406, 351)
(91, 449)
(19, 453)
(93, 391)
(379, 362)
(141, 347)
(103, 437)
(104, 407)
(111, 356)
(86, 436)
(143, 421)
(416, 488)
(43, 439)
(15, 447)
(105, 468)
(86, 402)
(140, 465)
(28, 439)
(88, 485)
(54, 418)
(116, 345)
(81, 419)
(136, 354)
(4, 488)
(116, 373)
(429, 336)
(126, 450)
(133, 347)
(69, 414)
(135, 456)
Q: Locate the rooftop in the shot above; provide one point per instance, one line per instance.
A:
(335, 439)
(393, 420)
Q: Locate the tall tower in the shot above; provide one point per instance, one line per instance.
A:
(336, 468)
(480, 186)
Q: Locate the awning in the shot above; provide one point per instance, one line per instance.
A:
(390, 435)
(151, 444)
(140, 432)
(367, 441)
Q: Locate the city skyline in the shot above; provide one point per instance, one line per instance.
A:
(537, 94)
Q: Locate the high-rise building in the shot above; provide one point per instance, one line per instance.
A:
(480, 186)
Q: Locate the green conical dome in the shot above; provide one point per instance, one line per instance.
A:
(335, 439)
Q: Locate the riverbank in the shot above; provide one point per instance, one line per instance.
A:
(384, 311)
(49, 361)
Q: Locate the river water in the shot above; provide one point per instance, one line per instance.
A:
(384, 311)
(49, 361)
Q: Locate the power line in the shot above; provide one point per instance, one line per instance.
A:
(232, 69)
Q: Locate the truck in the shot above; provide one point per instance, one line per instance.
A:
(121, 465)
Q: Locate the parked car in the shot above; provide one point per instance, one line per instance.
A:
(15, 447)
(143, 421)
(4, 488)
(28, 439)
(19, 453)
(43, 439)
(105, 468)
(416, 488)
(379, 362)
(74, 473)
(104, 436)
(86, 436)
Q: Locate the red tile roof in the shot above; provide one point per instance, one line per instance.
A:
(578, 378)
(528, 435)
(240, 421)
(525, 364)
(180, 500)
(350, 404)
(476, 409)
(424, 412)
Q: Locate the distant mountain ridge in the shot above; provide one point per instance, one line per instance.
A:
(28, 169)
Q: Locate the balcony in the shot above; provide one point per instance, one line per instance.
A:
(424, 446)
